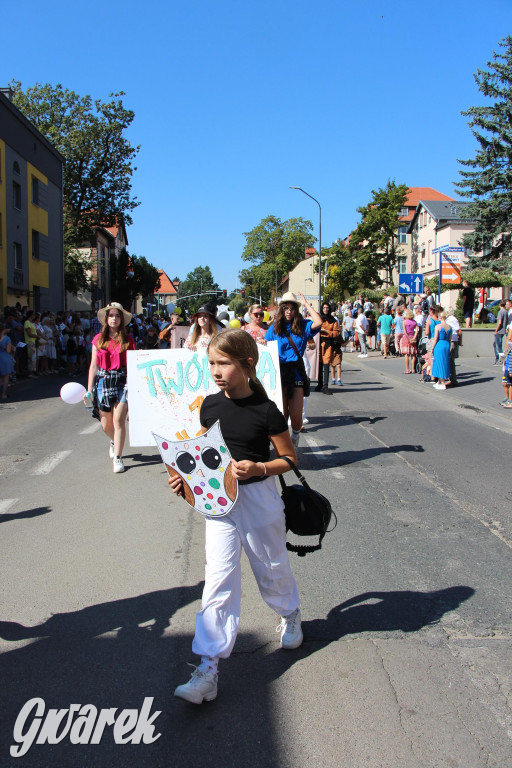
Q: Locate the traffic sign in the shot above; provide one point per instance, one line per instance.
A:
(409, 283)
(450, 273)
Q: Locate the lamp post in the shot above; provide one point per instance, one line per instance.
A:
(319, 246)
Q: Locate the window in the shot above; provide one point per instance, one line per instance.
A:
(402, 234)
(429, 251)
(18, 256)
(35, 244)
(16, 167)
(422, 255)
(35, 191)
(16, 195)
(404, 212)
(401, 264)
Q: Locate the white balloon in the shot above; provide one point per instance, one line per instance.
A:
(247, 317)
(72, 392)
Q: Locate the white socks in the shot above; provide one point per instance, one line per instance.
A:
(209, 664)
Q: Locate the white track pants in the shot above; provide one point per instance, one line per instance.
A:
(255, 523)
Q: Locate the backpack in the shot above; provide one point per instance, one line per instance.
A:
(306, 511)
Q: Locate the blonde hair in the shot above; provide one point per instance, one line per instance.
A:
(240, 346)
(253, 307)
(409, 314)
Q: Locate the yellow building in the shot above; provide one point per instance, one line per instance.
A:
(31, 235)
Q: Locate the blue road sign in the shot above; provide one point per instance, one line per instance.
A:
(410, 283)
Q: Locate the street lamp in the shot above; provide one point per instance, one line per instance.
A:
(319, 246)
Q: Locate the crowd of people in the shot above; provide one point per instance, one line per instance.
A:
(35, 346)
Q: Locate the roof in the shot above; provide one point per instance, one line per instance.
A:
(445, 212)
(166, 285)
(415, 194)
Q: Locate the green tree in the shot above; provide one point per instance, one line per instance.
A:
(90, 134)
(274, 247)
(488, 178)
(376, 236)
(199, 281)
(144, 281)
(350, 268)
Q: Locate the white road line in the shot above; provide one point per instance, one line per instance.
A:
(90, 430)
(49, 464)
(6, 504)
(321, 455)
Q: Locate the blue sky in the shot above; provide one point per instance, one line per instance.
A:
(236, 101)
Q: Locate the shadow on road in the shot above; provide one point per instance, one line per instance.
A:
(342, 458)
(241, 728)
(27, 513)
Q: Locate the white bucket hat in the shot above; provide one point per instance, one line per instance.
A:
(290, 298)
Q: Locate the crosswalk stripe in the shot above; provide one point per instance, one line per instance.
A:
(49, 464)
(6, 504)
(90, 430)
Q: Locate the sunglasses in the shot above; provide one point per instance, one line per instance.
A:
(258, 314)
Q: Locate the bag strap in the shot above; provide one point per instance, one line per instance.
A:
(302, 479)
(300, 361)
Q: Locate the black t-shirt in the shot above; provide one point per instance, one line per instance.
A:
(469, 293)
(245, 424)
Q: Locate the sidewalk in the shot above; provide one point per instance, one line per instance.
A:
(480, 389)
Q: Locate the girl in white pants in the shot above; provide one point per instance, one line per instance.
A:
(249, 421)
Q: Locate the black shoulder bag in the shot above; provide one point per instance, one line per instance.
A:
(301, 367)
(307, 512)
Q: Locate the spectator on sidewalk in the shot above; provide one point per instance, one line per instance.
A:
(385, 324)
(408, 343)
(441, 352)
(468, 303)
(499, 333)
(30, 341)
(362, 330)
(6, 359)
(454, 343)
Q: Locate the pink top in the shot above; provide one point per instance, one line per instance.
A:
(109, 359)
(410, 327)
(258, 334)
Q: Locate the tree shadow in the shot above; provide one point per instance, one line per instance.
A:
(343, 458)
(481, 380)
(27, 513)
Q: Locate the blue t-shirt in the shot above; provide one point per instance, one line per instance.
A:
(399, 324)
(386, 322)
(286, 351)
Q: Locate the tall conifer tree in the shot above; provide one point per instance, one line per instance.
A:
(487, 180)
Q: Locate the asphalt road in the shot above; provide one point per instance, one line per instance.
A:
(406, 610)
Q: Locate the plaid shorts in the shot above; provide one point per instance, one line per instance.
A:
(111, 388)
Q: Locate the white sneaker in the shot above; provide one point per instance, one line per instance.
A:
(111, 449)
(202, 686)
(118, 464)
(305, 421)
(365, 355)
(360, 355)
(291, 631)
(295, 439)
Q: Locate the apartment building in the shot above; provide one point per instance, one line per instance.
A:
(31, 236)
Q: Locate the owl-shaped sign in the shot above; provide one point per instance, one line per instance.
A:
(204, 465)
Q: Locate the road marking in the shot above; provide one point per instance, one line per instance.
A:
(90, 430)
(6, 504)
(49, 464)
(320, 454)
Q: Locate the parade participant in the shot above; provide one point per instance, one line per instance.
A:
(257, 328)
(329, 335)
(289, 324)
(107, 377)
(362, 326)
(204, 329)
(249, 422)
